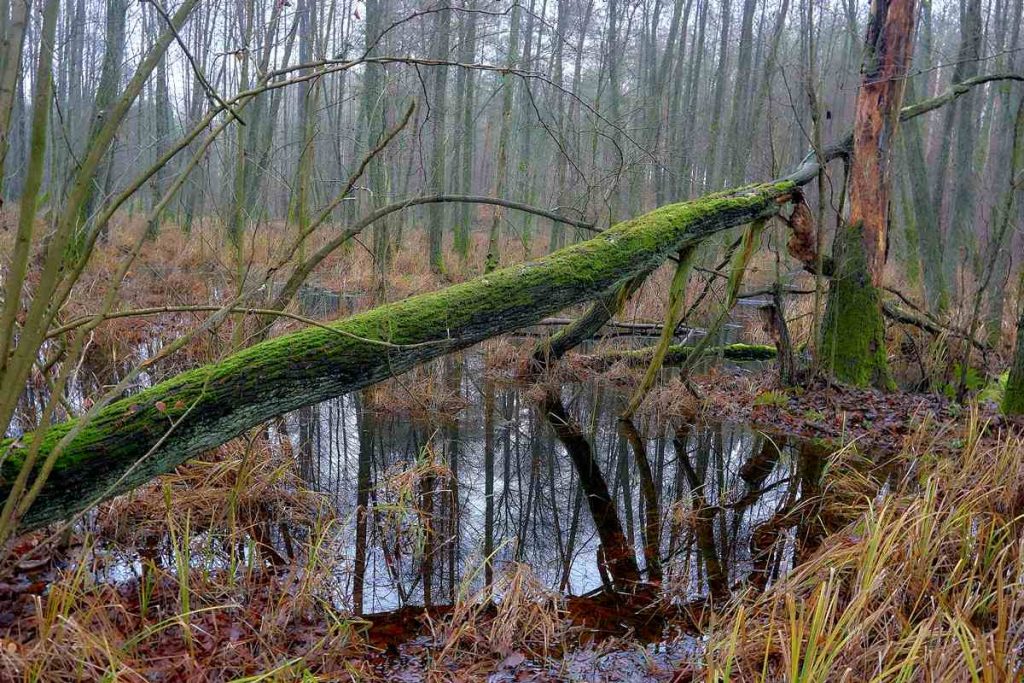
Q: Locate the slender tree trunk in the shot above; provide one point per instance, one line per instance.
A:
(501, 161)
(524, 171)
(438, 115)
(929, 233)
(770, 62)
(161, 132)
(966, 66)
(107, 90)
(738, 118)
(558, 155)
(11, 49)
(613, 59)
(711, 171)
(687, 176)
(962, 237)
(668, 188)
(1008, 95)
(192, 192)
(468, 98)
(307, 100)
(373, 108)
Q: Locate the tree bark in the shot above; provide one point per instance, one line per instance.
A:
(1013, 401)
(853, 344)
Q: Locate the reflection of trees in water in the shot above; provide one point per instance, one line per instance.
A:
(706, 506)
(616, 559)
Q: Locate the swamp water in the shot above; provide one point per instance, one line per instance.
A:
(454, 495)
(493, 480)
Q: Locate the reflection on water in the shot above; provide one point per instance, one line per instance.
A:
(703, 506)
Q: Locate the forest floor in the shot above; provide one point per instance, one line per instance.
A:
(914, 573)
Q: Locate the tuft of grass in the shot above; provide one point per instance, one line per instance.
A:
(774, 398)
(923, 584)
(203, 593)
(517, 618)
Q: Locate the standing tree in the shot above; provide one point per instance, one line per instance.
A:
(1013, 402)
(107, 90)
(501, 171)
(438, 115)
(853, 344)
(466, 98)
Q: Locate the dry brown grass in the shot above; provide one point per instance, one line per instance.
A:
(180, 581)
(923, 585)
(527, 620)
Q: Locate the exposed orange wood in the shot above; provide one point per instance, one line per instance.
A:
(887, 56)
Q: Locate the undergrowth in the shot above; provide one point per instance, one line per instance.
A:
(924, 584)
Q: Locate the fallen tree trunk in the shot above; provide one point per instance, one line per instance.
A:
(680, 353)
(139, 437)
(1013, 401)
(585, 327)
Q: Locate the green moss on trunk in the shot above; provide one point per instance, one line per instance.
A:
(1013, 401)
(853, 335)
(132, 440)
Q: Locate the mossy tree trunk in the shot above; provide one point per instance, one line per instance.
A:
(1013, 401)
(134, 439)
(853, 344)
